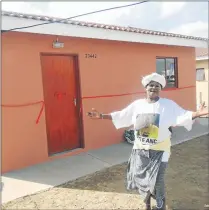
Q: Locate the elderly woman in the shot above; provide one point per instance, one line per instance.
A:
(151, 117)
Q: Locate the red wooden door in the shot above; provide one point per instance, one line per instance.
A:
(60, 96)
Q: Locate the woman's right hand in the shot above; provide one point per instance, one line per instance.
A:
(94, 114)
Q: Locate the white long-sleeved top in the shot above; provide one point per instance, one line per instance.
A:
(151, 122)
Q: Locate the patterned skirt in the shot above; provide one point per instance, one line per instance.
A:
(145, 173)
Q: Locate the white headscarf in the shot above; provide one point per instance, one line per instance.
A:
(154, 77)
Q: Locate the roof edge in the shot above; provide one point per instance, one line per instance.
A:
(98, 25)
(96, 31)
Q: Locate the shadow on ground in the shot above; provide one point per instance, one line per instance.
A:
(187, 181)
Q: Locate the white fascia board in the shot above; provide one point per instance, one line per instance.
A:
(62, 29)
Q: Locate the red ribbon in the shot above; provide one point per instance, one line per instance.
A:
(27, 104)
(134, 93)
(40, 113)
(86, 97)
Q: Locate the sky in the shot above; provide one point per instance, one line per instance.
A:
(187, 18)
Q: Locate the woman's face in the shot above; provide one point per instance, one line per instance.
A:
(153, 89)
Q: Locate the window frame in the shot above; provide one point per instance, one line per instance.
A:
(204, 75)
(175, 70)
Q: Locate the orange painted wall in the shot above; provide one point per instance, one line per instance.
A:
(117, 69)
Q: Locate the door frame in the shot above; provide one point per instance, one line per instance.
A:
(79, 108)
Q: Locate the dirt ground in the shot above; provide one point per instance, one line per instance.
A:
(187, 185)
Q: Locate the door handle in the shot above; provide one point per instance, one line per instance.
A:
(75, 101)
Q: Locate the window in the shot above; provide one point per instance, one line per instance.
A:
(200, 74)
(168, 68)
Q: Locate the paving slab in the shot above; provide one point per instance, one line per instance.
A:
(43, 176)
(180, 134)
(114, 154)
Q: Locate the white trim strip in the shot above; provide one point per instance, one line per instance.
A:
(96, 33)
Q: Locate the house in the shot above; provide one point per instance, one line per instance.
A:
(202, 60)
(54, 73)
